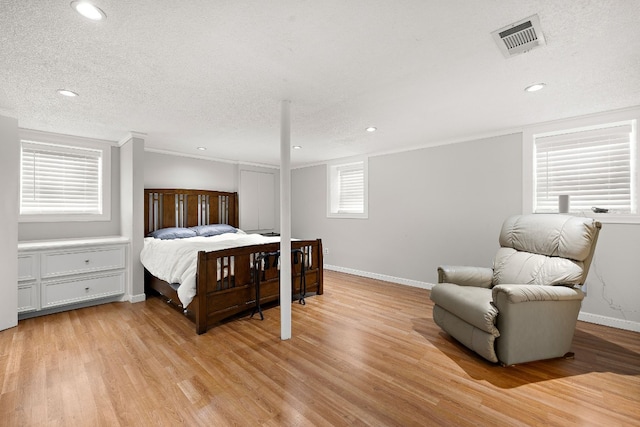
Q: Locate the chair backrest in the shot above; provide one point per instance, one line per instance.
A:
(545, 249)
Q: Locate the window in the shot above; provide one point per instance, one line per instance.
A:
(62, 182)
(595, 165)
(347, 189)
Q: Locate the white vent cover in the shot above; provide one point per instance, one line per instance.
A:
(519, 37)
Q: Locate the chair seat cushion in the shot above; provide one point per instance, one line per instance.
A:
(469, 303)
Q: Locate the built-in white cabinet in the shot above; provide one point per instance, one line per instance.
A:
(28, 299)
(257, 193)
(58, 274)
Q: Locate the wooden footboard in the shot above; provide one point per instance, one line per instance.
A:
(235, 291)
(229, 290)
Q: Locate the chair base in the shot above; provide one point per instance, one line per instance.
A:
(569, 356)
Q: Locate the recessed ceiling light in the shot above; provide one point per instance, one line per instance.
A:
(297, 147)
(66, 92)
(371, 129)
(202, 148)
(88, 10)
(535, 87)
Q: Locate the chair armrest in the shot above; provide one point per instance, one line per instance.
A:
(465, 276)
(524, 293)
(535, 321)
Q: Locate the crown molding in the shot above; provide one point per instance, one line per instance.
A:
(129, 136)
(8, 113)
(60, 138)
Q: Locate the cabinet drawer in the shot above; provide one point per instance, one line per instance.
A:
(27, 268)
(74, 262)
(72, 291)
(27, 298)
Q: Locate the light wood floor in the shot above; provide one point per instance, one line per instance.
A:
(364, 353)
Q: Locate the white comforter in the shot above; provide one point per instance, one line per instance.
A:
(175, 261)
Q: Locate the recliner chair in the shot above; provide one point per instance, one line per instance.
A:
(526, 307)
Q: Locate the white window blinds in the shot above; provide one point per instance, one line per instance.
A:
(347, 187)
(594, 167)
(351, 188)
(57, 179)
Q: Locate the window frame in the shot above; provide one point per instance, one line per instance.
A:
(589, 122)
(30, 136)
(333, 192)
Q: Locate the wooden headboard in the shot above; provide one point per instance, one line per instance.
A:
(175, 207)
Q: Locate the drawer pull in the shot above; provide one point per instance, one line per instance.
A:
(86, 261)
(86, 289)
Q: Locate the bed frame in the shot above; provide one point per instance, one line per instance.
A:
(235, 293)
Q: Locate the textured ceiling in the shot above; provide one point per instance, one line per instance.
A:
(212, 73)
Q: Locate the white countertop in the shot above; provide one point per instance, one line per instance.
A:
(69, 243)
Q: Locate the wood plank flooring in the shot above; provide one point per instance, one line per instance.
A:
(364, 353)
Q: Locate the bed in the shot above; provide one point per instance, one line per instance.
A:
(225, 278)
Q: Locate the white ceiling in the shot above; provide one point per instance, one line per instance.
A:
(212, 73)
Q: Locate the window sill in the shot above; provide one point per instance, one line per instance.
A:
(348, 216)
(606, 218)
(63, 217)
(613, 218)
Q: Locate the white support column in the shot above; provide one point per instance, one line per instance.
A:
(132, 209)
(10, 178)
(285, 220)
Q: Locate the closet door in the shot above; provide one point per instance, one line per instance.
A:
(257, 200)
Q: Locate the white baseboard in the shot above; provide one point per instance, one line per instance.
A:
(82, 304)
(136, 298)
(609, 321)
(585, 317)
(383, 277)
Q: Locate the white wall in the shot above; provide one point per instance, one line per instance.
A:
(426, 207)
(167, 171)
(9, 176)
(613, 285)
(79, 229)
(445, 205)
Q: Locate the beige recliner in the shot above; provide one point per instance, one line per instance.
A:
(526, 307)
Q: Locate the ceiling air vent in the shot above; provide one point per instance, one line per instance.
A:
(519, 37)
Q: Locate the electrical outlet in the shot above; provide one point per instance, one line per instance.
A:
(326, 251)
